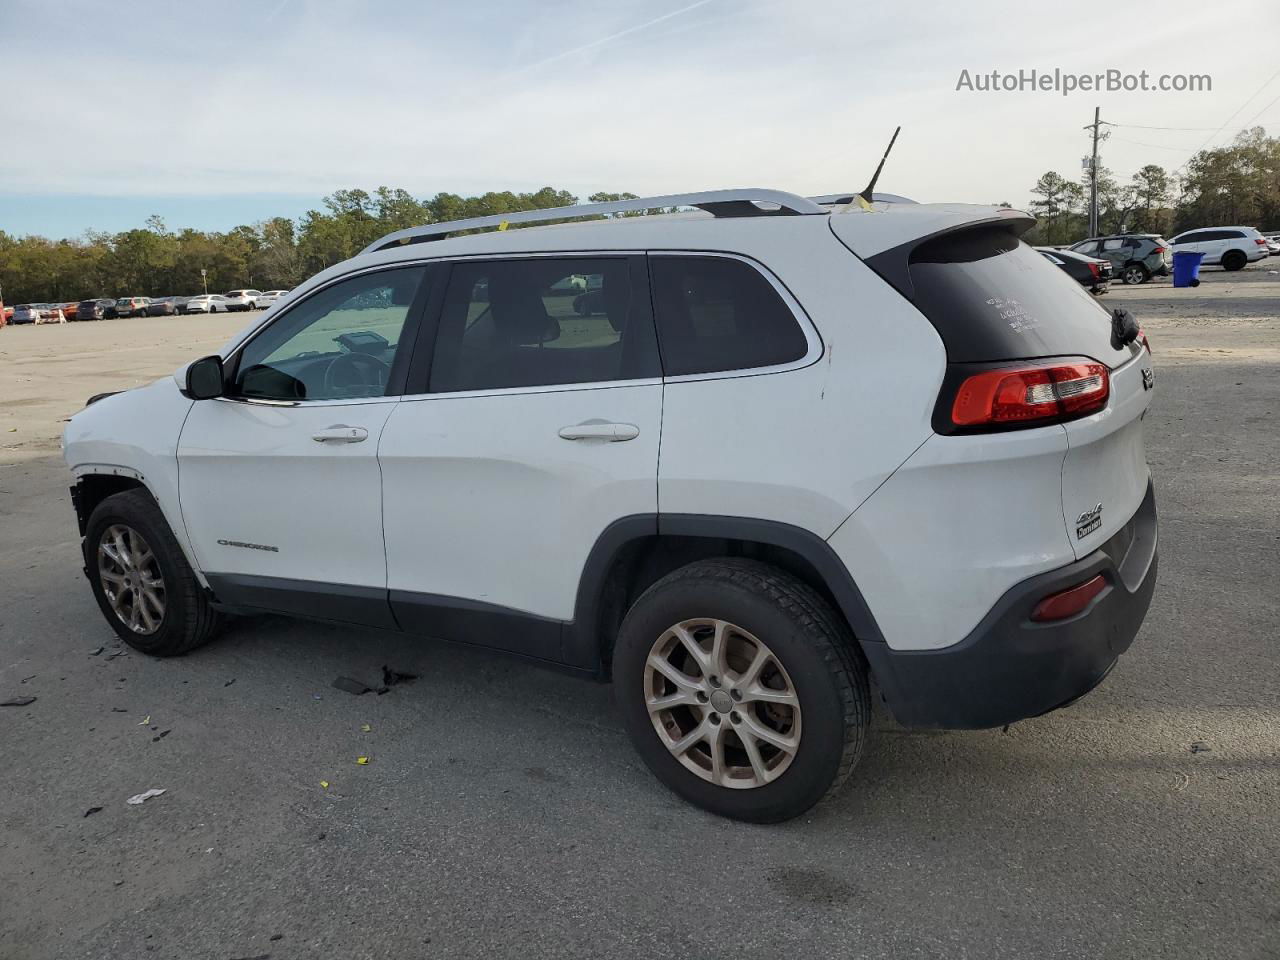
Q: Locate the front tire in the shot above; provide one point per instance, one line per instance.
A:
(141, 579)
(742, 689)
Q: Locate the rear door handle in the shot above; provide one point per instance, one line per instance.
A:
(600, 430)
(340, 433)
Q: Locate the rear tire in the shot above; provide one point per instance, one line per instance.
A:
(1135, 273)
(140, 576)
(810, 692)
(1234, 260)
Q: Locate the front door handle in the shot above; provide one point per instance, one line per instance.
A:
(340, 433)
(600, 430)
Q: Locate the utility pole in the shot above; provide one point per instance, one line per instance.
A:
(1093, 173)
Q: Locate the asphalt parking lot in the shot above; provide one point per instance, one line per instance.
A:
(503, 813)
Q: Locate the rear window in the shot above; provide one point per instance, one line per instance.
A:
(992, 297)
(716, 314)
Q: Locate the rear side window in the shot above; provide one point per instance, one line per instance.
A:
(717, 313)
(992, 297)
(542, 322)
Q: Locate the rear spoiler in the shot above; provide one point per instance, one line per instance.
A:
(893, 265)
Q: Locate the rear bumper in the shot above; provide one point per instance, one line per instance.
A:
(1010, 668)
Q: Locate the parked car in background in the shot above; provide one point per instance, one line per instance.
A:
(1090, 272)
(1134, 257)
(26, 313)
(268, 297)
(242, 299)
(93, 309)
(6, 314)
(132, 306)
(162, 307)
(1228, 247)
(206, 303)
(1273, 243)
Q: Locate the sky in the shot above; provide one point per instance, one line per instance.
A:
(216, 114)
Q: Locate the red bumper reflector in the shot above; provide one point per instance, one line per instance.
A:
(1059, 606)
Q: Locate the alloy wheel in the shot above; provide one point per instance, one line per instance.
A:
(131, 579)
(722, 703)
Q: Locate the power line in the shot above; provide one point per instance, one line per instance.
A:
(1263, 86)
(1139, 126)
(1154, 146)
(1262, 111)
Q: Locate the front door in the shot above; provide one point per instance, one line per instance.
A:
(535, 427)
(279, 482)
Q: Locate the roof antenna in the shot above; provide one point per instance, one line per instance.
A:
(866, 195)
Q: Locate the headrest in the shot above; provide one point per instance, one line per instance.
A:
(519, 314)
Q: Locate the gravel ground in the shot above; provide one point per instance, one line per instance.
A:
(503, 813)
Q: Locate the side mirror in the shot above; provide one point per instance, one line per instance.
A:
(204, 379)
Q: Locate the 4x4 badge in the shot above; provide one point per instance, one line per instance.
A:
(1088, 522)
(1148, 378)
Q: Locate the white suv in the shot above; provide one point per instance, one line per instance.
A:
(242, 299)
(1229, 247)
(787, 450)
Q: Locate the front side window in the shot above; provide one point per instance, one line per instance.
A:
(542, 321)
(338, 344)
(716, 314)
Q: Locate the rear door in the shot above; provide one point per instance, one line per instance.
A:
(1114, 250)
(534, 427)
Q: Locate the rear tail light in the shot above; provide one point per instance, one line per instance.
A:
(1030, 395)
(1093, 268)
(1260, 242)
(1067, 603)
(1158, 250)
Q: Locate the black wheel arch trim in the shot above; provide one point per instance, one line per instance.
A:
(583, 644)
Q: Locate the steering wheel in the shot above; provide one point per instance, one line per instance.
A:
(349, 371)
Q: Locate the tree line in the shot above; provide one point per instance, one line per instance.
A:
(274, 254)
(1235, 184)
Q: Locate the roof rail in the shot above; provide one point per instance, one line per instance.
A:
(720, 203)
(831, 199)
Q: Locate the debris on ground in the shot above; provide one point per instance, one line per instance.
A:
(363, 761)
(32, 677)
(119, 710)
(276, 936)
(1200, 747)
(347, 685)
(145, 721)
(17, 701)
(366, 728)
(163, 734)
(325, 784)
(230, 682)
(117, 653)
(261, 956)
(94, 653)
(143, 797)
(91, 811)
(391, 677)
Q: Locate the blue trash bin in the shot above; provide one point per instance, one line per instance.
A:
(1186, 268)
